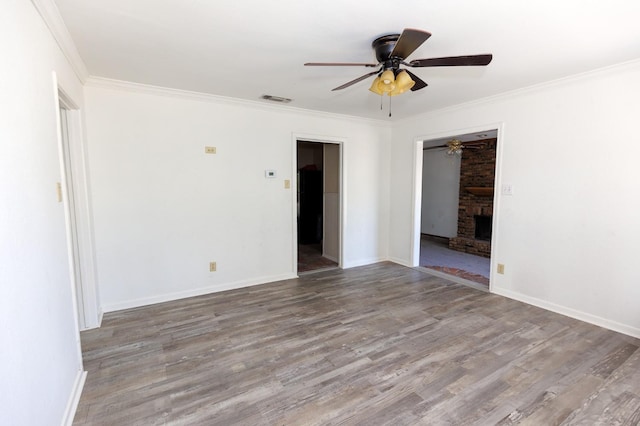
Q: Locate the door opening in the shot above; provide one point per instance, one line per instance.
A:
(318, 205)
(457, 206)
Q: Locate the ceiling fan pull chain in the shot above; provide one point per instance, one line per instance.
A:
(389, 106)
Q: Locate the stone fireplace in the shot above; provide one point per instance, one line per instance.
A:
(475, 203)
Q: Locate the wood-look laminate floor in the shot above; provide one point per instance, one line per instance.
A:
(380, 344)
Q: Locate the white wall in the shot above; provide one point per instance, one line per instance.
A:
(440, 193)
(569, 234)
(40, 362)
(164, 209)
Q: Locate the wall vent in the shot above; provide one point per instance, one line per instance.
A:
(275, 99)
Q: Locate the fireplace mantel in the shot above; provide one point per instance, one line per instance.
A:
(481, 191)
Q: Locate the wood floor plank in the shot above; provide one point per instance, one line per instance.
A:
(381, 344)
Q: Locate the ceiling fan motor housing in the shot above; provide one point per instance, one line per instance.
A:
(383, 47)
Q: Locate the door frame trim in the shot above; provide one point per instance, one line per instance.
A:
(87, 282)
(335, 140)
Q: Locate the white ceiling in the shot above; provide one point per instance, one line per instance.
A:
(247, 48)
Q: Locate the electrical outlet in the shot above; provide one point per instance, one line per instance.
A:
(500, 268)
(287, 184)
(212, 266)
(209, 149)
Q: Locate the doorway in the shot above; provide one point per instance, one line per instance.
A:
(456, 208)
(318, 205)
(75, 190)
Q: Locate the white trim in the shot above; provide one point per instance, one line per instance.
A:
(364, 262)
(497, 201)
(88, 298)
(294, 204)
(108, 83)
(331, 258)
(74, 398)
(399, 261)
(569, 312)
(67, 218)
(342, 199)
(169, 297)
(53, 19)
(416, 203)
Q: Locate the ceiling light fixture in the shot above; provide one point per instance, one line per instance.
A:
(454, 147)
(391, 83)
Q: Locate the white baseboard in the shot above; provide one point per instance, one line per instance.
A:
(97, 324)
(168, 297)
(100, 316)
(569, 312)
(74, 398)
(401, 262)
(362, 262)
(331, 258)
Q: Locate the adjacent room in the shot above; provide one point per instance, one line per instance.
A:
(458, 179)
(221, 213)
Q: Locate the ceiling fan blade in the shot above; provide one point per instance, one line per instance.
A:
(344, 86)
(419, 83)
(465, 145)
(338, 64)
(453, 61)
(409, 40)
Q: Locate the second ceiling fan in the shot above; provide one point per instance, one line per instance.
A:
(392, 51)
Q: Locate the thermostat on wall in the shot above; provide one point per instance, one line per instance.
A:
(270, 174)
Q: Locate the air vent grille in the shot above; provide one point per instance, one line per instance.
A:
(275, 99)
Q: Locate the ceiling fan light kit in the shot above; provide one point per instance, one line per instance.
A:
(454, 147)
(403, 83)
(391, 52)
(389, 84)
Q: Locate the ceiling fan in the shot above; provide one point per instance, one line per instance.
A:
(455, 146)
(392, 51)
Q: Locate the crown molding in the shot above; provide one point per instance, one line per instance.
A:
(53, 19)
(628, 65)
(108, 83)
